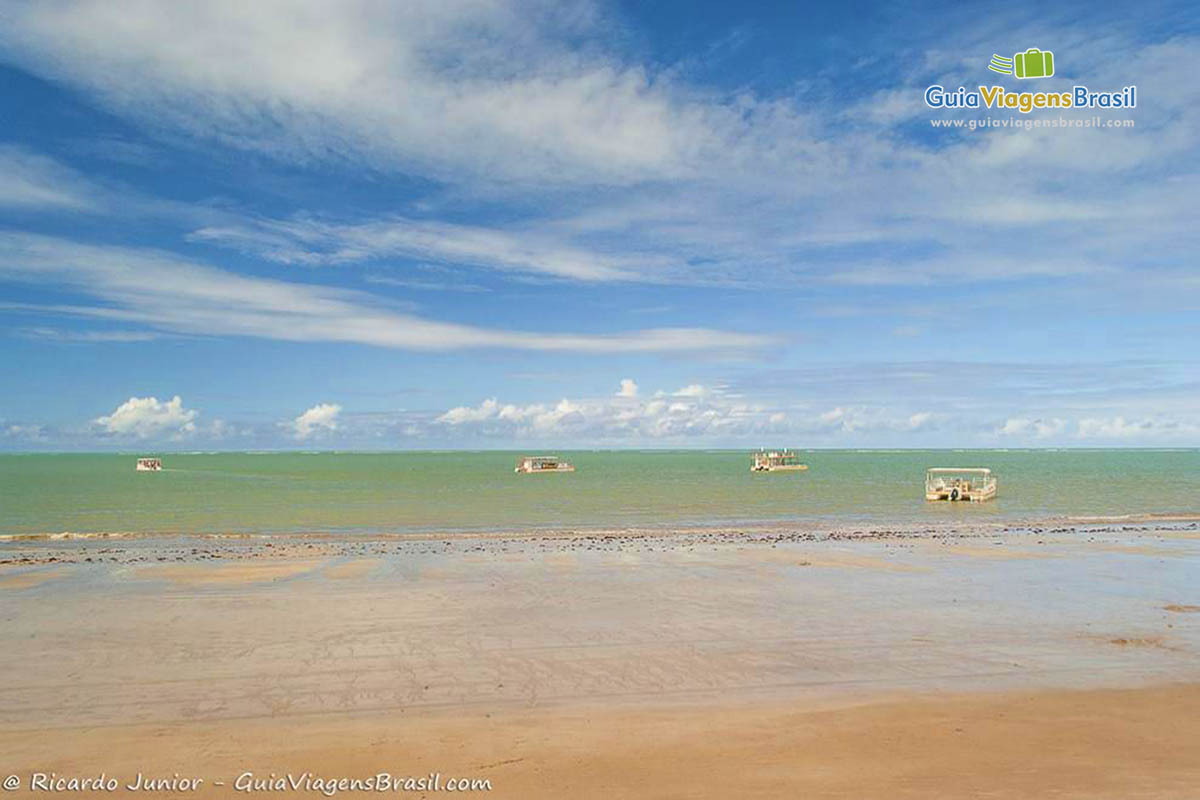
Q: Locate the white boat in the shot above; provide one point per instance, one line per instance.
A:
(538, 464)
(960, 484)
(776, 461)
(149, 465)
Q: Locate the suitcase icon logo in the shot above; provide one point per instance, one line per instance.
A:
(1033, 63)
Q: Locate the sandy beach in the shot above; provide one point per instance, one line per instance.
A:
(951, 662)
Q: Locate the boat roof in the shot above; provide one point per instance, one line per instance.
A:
(982, 470)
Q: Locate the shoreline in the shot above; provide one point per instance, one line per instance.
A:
(832, 527)
(65, 549)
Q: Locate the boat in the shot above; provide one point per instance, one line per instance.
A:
(537, 464)
(776, 461)
(960, 484)
(149, 465)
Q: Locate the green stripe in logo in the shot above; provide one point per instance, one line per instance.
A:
(1001, 64)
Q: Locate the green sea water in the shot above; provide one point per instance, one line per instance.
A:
(463, 491)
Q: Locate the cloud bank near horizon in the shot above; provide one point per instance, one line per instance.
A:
(689, 416)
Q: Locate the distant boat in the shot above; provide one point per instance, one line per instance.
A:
(149, 465)
(777, 461)
(536, 464)
(960, 484)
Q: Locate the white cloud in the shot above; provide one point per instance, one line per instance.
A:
(1014, 426)
(919, 420)
(621, 417)
(861, 419)
(24, 433)
(1037, 428)
(167, 292)
(629, 388)
(322, 417)
(144, 417)
(310, 242)
(701, 413)
(87, 337)
(1181, 429)
(29, 180)
(489, 88)
(538, 418)
(220, 429)
(702, 186)
(486, 410)
(841, 418)
(1119, 428)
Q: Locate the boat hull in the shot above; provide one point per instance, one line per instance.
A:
(964, 496)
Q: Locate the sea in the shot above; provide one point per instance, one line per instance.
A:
(461, 491)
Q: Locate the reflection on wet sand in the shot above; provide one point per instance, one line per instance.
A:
(564, 662)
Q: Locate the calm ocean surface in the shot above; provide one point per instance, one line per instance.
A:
(402, 492)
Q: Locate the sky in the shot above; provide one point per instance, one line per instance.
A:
(528, 223)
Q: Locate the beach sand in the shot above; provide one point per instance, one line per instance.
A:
(1036, 664)
(27, 579)
(1081, 744)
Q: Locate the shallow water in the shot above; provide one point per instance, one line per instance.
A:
(402, 492)
(158, 632)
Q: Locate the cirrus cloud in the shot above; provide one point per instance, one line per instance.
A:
(423, 86)
(31, 180)
(167, 292)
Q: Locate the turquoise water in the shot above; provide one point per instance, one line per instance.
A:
(402, 492)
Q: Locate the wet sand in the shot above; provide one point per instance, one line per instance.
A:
(1036, 663)
(28, 578)
(201, 574)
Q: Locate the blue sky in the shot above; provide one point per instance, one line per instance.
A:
(511, 223)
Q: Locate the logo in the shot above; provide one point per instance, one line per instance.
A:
(1033, 63)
